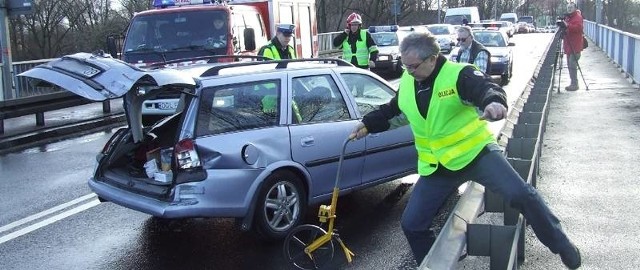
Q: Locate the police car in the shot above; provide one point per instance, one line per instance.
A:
(388, 38)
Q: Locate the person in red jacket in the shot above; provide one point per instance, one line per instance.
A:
(572, 43)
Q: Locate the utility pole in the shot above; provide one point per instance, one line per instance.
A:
(599, 11)
(8, 92)
(439, 9)
(395, 11)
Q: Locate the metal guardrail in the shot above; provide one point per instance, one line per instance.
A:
(325, 45)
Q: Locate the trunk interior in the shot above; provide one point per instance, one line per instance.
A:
(146, 167)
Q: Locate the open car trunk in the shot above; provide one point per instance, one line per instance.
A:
(144, 167)
(122, 161)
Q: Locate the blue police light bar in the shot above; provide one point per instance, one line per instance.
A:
(169, 3)
(383, 28)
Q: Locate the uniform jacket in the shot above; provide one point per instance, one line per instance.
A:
(352, 38)
(474, 87)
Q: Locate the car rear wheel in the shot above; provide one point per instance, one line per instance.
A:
(281, 205)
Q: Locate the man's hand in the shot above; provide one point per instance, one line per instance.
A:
(372, 64)
(359, 131)
(494, 112)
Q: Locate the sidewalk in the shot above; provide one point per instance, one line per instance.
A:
(22, 131)
(589, 168)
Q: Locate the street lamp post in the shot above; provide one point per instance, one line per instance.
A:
(439, 16)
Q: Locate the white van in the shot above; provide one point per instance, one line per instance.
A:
(455, 16)
(512, 17)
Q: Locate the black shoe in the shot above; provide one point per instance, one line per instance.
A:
(571, 257)
(572, 87)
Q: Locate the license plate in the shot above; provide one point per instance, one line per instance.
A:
(167, 105)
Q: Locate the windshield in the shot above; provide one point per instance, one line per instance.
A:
(385, 39)
(168, 36)
(527, 19)
(489, 39)
(439, 30)
(455, 19)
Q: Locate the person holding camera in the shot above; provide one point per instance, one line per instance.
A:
(572, 44)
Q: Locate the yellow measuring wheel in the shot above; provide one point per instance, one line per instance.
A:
(311, 247)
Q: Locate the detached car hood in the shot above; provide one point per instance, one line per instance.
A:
(98, 77)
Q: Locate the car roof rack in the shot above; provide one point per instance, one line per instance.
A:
(280, 64)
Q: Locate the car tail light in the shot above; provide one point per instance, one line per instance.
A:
(186, 155)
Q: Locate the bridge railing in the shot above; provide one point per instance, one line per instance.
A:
(623, 48)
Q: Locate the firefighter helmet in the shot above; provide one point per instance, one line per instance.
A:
(354, 18)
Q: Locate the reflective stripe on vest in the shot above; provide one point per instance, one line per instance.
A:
(452, 135)
(273, 53)
(362, 52)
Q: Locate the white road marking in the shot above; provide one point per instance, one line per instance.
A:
(49, 220)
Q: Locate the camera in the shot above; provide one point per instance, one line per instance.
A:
(561, 23)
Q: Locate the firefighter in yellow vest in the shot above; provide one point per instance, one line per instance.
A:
(358, 47)
(278, 48)
(447, 105)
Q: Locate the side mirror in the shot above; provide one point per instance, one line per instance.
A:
(249, 39)
(512, 44)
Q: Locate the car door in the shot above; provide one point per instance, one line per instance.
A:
(98, 77)
(321, 122)
(387, 154)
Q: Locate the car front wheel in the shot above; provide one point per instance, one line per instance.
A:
(281, 205)
(504, 79)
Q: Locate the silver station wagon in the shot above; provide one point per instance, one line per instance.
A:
(258, 141)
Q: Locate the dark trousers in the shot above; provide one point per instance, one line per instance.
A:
(494, 172)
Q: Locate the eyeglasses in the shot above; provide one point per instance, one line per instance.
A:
(462, 39)
(414, 66)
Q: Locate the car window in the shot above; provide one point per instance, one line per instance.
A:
(317, 99)
(490, 39)
(439, 30)
(238, 107)
(385, 38)
(369, 92)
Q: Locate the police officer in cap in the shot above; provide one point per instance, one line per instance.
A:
(279, 48)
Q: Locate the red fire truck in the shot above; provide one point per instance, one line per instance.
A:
(182, 29)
